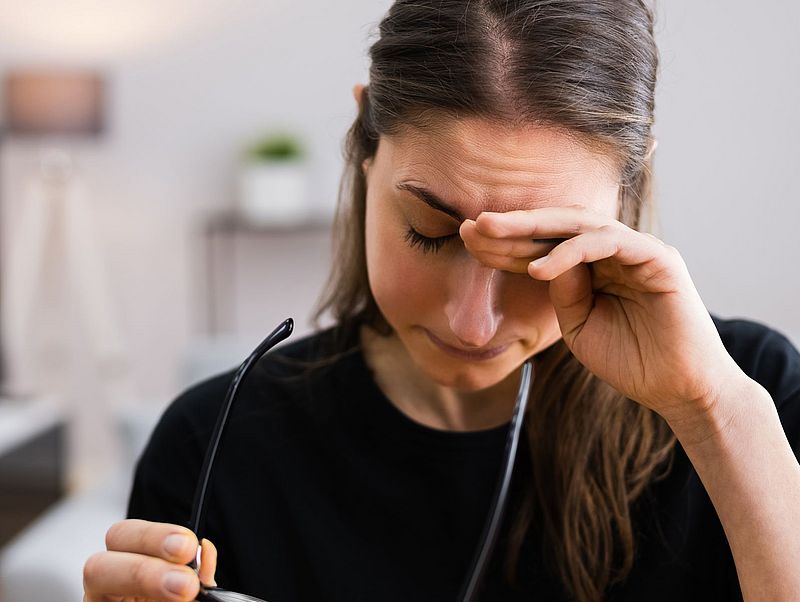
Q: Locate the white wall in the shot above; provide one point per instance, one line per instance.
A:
(727, 164)
(193, 81)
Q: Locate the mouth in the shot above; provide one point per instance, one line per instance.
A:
(476, 355)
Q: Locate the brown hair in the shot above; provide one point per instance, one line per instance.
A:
(589, 68)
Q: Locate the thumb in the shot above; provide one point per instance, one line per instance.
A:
(208, 563)
(572, 297)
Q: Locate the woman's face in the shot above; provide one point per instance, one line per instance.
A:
(466, 325)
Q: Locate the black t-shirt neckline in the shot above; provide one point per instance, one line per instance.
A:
(373, 409)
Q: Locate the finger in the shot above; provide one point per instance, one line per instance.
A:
(517, 265)
(208, 563)
(627, 247)
(475, 241)
(544, 222)
(161, 540)
(573, 300)
(134, 575)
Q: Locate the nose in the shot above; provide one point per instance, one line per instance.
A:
(472, 307)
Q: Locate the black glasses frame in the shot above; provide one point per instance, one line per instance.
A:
(483, 552)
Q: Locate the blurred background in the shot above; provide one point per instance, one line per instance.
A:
(152, 228)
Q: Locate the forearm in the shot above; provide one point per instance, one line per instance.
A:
(744, 460)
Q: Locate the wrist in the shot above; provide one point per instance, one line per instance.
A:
(712, 416)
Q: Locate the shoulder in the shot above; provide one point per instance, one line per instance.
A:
(167, 470)
(282, 370)
(171, 461)
(764, 354)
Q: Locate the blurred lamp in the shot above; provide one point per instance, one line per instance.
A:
(54, 103)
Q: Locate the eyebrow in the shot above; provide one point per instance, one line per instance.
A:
(431, 199)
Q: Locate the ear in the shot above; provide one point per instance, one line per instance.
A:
(358, 94)
(365, 165)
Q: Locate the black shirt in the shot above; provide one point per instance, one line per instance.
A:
(324, 490)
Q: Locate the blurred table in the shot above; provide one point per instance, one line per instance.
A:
(32, 462)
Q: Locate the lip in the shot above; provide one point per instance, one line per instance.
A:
(464, 354)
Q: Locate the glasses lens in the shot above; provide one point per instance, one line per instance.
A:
(214, 594)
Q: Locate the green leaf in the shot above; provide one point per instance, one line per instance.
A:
(277, 147)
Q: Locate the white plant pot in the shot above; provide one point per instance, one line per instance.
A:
(273, 193)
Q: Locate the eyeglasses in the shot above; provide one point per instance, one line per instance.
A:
(483, 552)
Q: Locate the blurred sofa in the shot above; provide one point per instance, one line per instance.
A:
(45, 562)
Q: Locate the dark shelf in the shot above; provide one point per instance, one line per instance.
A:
(232, 222)
(31, 480)
(221, 233)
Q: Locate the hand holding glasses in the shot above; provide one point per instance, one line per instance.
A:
(484, 550)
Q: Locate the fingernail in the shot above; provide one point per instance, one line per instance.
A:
(175, 544)
(540, 261)
(177, 582)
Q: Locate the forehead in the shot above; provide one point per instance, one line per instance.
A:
(479, 165)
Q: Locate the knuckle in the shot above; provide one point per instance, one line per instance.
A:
(674, 258)
(486, 225)
(610, 228)
(140, 539)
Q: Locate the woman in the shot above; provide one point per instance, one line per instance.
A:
(360, 465)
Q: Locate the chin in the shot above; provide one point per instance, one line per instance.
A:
(460, 374)
(467, 377)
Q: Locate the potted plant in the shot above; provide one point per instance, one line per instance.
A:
(272, 182)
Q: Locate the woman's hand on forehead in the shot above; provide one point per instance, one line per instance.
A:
(510, 241)
(625, 302)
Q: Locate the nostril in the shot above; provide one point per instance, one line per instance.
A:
(473, 320)
(472, 310)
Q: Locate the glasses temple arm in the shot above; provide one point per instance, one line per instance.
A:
(196, 523)
(490, 531)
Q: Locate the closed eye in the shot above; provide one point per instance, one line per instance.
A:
(426, 243)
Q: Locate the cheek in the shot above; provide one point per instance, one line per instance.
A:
(527, 309)
(525, 298)
(406, 284)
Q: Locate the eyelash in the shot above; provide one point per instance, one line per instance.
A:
(425, 243)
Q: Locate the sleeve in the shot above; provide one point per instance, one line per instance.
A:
(783, 359)
(769, 358)
(790, 419)
(167, 471)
